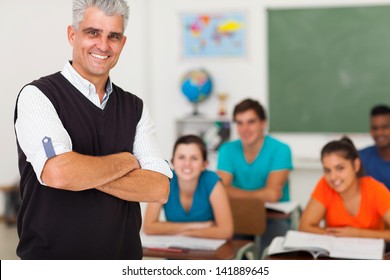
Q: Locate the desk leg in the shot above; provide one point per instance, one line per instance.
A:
(257, 248)
(295, 216)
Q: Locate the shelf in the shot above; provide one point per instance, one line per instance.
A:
(214, 131)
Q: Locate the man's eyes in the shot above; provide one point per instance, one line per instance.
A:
(96, 33)
(115, 37)
(380, 127)
(92, 33)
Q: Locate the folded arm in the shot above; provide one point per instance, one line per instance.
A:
(116, 174)
(315, 212)
(359, 232)
(153, 225)
(223, 225)
(271, 192)
(221, 228)
(75, 172)
(139, 185)
(311, 217)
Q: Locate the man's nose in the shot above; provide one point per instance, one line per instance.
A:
(103, 44)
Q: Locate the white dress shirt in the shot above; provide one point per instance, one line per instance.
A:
(38, 119)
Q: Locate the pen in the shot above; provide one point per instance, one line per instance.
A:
(168, 250)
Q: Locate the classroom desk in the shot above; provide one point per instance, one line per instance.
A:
(293, 217)
(272, 214)
(226, 252)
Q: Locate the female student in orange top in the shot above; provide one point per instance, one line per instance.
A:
(352, 204)
(197, 205)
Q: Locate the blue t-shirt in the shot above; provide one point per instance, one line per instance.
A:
(375, 166)
(201, 209)
(273, 156)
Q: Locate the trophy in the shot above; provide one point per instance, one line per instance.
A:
(222, 96)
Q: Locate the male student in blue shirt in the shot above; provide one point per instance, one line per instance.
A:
(257, 164)
(376, 158)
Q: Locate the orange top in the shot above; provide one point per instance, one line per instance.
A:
(374, 203)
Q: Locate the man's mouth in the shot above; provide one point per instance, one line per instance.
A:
(98, 56)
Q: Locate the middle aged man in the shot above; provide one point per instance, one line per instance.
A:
(87, 152)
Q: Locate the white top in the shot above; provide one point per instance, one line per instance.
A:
(37, 119)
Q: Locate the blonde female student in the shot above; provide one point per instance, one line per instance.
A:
(352, 204)
(198, 205)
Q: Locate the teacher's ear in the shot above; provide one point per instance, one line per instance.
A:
(71, 35)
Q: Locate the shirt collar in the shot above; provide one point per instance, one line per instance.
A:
(83, 85)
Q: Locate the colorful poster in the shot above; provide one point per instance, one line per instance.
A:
(208, 35)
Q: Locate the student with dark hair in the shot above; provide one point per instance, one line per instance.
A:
(351, 204)
(197, 205)
(376, 158)
(256, 165)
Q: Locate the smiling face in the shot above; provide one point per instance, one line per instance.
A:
(380, 130)
(97, 44)
(339, 172)
(250, 127)
(188, 162)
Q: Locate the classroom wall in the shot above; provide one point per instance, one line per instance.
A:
(239, 77)
(34, 43)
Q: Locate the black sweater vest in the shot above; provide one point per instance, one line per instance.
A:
(59, 224)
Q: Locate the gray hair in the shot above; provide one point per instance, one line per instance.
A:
(109, 7)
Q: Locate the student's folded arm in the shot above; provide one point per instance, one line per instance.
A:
(227, 179)
(153, 225)
(273, 190)
(365, 233)
(359, 232)
(139, 185)
(311, 217)
(222, 227)
(75, 172)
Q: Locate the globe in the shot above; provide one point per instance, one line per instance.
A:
(196, 86)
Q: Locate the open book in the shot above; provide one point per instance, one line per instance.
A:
(177, 241)
(328, 246)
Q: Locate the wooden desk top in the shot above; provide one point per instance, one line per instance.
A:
(272, 214)
(226, 252)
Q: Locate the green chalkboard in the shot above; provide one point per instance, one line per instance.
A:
(327, 67)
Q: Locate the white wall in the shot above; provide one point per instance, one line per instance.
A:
(33, 43)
